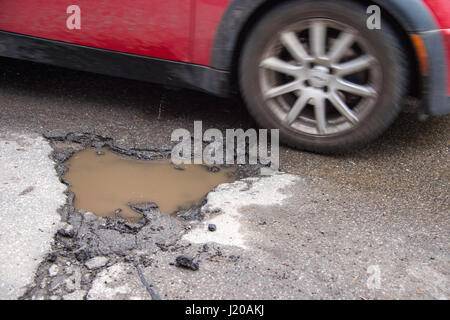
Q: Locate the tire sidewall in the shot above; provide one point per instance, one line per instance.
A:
(379, 41)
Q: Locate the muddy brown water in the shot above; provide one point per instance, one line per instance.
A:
(105, 183)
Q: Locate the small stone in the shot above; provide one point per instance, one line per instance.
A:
(90, 217)
(53, 270)
(52, 257)
(214, 169)
(67, 245)
(70, 285)
(98, 144)
(96, 262)
(212, 227)
(100, 153)
(145, 261)
(187, 263)
(82, 255)
(67, 231)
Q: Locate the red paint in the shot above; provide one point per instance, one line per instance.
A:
(441, 12)
(446, 36)
(157, 28)
(180, 30)
(208, 14)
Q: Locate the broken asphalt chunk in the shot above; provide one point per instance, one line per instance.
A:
(96, 262)
(186, 262)
(144, 207)
(67, 231)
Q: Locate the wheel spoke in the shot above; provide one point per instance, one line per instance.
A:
(283, 89)
(320, 114)
(341, 45)
(319, 77)
(294, 46)
(359, 90)
(281, 66)
(343, 109)
(317, 35)
(297, 108)
(353, 66)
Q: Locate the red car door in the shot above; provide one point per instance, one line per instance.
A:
(156, 28)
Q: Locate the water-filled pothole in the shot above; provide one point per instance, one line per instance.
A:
(104, 182)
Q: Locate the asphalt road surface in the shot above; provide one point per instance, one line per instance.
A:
(373, 224)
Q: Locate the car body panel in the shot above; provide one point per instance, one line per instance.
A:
(414, 16)
(446, 35)
(114, 63)
(441, 12)
(157, 28)
(198, 32)
(207, 16)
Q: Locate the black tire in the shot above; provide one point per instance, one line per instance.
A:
(389, 54)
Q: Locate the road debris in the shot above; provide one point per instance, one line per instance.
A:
(186, 262)
(96, 262)
(213, 259)
(53, 270)
(67, 231)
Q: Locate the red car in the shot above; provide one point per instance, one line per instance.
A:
(319, 70)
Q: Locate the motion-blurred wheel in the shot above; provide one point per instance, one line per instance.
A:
(315, 71)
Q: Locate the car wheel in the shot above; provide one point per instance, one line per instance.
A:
(315, 71)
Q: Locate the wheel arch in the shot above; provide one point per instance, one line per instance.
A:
(242, 15)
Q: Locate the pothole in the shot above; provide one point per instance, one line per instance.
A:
(83, 238)
(109, 184)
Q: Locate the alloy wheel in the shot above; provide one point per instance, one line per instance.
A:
(320, 77)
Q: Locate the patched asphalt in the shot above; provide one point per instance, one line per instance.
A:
(333, 222)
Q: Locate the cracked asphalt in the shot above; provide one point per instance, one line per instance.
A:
(373, 224)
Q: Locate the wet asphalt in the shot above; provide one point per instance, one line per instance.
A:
(410, 161)
(406, 169)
